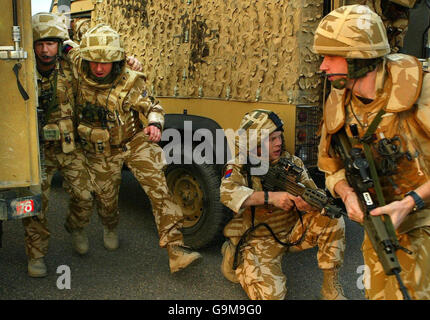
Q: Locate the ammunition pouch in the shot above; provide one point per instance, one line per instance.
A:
(67, 135)
(62, 131)
(51, 132)
(94, 140)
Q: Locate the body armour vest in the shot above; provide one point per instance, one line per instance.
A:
(104, 120)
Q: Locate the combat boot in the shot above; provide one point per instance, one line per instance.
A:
(37, 268)
(181, 257)
(331, 288)
(80, 241)
(110, 238)
(227, 250)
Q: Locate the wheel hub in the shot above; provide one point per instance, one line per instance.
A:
(187, 194)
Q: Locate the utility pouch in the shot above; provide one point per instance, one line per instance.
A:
(67, 135)
(100, 139)
(85, 137)
(51, 132)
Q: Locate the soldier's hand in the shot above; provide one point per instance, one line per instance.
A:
(153, 132)
(281, 200)
(350, 200)
(134, 64)
(397, 210)
(353, 208)
(301, 204)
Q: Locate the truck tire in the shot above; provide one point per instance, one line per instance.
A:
(195, 188)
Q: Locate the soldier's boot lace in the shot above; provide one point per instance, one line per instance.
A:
(80, 241)
(181, 257)
(331, 288)
(37, 268)
(110, 238)
(227, 250)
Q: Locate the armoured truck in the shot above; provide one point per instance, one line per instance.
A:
(210, 62)
(20, 169)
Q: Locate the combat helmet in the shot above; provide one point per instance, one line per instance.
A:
(352, 31)
(261, 119)
(49, 26)
(356, 33)
(250, 133)
(102, 44)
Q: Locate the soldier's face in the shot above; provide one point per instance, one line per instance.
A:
(45, 51)
(275, 145)
(334, 65)
(100, 70)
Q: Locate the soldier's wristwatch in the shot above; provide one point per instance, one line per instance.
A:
(419, 203)
(155, 124)
(266, 198)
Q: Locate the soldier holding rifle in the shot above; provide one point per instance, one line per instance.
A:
(268, 223)
(374, 148)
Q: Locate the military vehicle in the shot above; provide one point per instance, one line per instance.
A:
(20, 169)
(210, 62)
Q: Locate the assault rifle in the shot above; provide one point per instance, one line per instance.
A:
(284, 177)
(379, 229)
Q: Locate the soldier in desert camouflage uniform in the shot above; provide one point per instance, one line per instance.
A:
(79, 27)
(395, 16)
(366, 78)
(56, 99)
(111, 98)
(259, 269)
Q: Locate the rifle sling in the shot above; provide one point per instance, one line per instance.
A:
(369, 157)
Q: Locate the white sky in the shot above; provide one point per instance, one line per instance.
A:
(40, 6)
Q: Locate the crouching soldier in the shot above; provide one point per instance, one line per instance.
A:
(287, 223)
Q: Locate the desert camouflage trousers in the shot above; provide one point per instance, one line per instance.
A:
(146, 161)
(260, 271)
(415, 268)
(76, 177)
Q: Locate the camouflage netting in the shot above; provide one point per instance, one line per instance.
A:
(239, 50)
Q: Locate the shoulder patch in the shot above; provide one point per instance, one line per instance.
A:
(228, 173)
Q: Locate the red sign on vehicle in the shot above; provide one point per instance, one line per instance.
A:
(23, 207)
